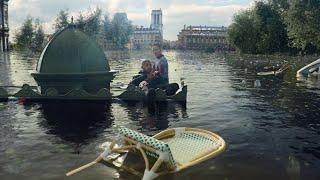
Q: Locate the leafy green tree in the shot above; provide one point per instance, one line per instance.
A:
(107, 28)
(121, 30)
(302, 20)
(80, 22)
(38, 40)
(260, 30)
(25, 35)
(92, 25)
(62, 20)
(31, 35)
(243, 32)
(272, 31)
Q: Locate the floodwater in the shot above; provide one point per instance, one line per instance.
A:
(272, 131)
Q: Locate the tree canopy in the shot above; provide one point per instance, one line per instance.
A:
(30, 35)
(277, 26)
(62, 20)
(115, 31)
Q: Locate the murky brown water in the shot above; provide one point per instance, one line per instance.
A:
(272, 132)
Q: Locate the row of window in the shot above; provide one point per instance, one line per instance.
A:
(146, 37)
(201, 40)
(144, 40)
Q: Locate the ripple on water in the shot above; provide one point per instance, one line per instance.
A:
(273, 127)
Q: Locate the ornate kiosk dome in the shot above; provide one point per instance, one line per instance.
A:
(72, 60)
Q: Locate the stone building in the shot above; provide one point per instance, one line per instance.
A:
(203, 38)
(4, 26)
(146, 37)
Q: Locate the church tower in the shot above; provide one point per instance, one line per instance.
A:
(156, 20)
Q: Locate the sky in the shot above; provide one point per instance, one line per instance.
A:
(176, 13)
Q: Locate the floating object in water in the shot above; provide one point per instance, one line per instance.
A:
(257, 83)
(243, 82)
(310, 69)
(278, 72)
(71, 60)
(177, 149)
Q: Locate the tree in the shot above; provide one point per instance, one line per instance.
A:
(25, 34)
(107, 28)
(243, 32)
(80, 22)
(121, 30)
(272, 31)
(62, 20)
(93, 24)
(31, 35)
(302, 20)
(38, 39)
(260, 30)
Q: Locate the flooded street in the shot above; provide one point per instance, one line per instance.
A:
(272, 131)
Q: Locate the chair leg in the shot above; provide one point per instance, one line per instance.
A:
(156, 165)
(151, 174)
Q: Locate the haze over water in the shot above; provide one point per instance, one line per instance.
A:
(272, 132)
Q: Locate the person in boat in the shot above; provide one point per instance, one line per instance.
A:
(160, 78)
(146, 73)
(161, 75)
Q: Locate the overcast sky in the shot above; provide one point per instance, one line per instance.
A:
(176, 13)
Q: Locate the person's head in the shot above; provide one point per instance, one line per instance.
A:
(157, 51)
(146, 66)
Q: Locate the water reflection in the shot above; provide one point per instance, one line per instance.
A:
(149, 118)
(75, 122)
(273, 127)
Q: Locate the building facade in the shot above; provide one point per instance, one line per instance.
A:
(146, 37)
(4, 26)
(203, 38)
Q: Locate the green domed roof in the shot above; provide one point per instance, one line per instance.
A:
(72, 51)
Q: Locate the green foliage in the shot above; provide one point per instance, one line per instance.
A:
(25, 35)
(302, 19)
(93, 24)
(243, 32)
(116, 32)
(38, 40)
(107, 28)
(80, 22)
(62, 20)
(30, 36)
(259, 30)
(277, 26)
(120, 30)
(272, 31)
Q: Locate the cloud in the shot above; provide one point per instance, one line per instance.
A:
(176, 12)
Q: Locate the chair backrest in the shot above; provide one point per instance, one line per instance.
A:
(159, 146)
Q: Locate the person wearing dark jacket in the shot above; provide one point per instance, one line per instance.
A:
(161, 69)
